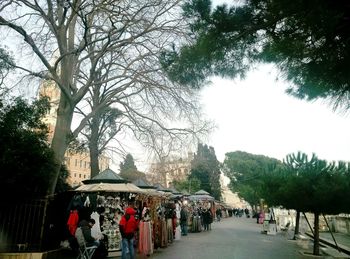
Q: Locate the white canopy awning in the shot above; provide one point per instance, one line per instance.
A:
(202, 197)
(109, 187)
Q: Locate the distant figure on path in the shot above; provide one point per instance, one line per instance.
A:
(218, 214)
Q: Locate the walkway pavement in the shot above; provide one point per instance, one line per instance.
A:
(338, 249)
(341, 239)
(232, 238)
(238, 238)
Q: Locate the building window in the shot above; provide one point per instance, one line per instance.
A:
(84, 176)
(75, 175)
(84, 164)
(79, 175)
(81, 163)
(76, 162)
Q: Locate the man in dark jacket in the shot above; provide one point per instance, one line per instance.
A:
(86, 225)
(183, 220)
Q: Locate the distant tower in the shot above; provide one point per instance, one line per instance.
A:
(49, 89)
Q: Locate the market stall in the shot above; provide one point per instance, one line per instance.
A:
(107, 195)
(200, 202)
(160, 208)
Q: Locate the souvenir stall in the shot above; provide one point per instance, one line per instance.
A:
(153, 232)
(226, 209)
(109, 195)
(166, 214)
(177, 198)
(201, 201)
(147, 205)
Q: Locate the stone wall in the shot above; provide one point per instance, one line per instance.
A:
(339, 224)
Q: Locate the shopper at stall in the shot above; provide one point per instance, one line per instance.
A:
(183, 220)
(128, 225)
(101, 251)
(218, 214)
(206, 219)
(86, 226)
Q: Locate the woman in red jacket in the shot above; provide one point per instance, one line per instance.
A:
(128, 225)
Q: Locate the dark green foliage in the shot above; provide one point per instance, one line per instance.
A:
(190, 185)
(246, 172)
(26, 160)
(205, 168)
(62, 185)
(307, 40)
(128, 169)
(6, 63)
(201, 172)
(309, 185)
(128, 164)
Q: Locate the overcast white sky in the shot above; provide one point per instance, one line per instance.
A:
(256, 116)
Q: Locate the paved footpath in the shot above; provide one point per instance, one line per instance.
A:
(232, 238)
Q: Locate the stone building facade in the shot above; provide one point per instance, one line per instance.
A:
(166, 172)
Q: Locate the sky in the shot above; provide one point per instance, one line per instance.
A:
(255, 115)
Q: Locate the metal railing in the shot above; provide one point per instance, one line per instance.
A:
(22, 225)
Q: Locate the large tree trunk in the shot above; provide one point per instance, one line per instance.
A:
(93, 146)
(297, 224)
(66, 106)
(316, 234)
(60, 138)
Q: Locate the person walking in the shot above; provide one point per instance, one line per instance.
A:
(128, 225)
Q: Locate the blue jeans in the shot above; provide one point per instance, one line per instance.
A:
(128, 251)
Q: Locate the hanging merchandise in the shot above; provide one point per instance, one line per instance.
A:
(96, 229)
(145, 242)
(72, 222)
(176, 220)
(109, 209)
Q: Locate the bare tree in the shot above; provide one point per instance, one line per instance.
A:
(118, 40)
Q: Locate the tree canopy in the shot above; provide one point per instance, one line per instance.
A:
(6, 64)
(128, 169)
(26, 159)
(310, 185)
(246, 172)
(307, 41)
(191, 185)
(206, 168)
(82, 45)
